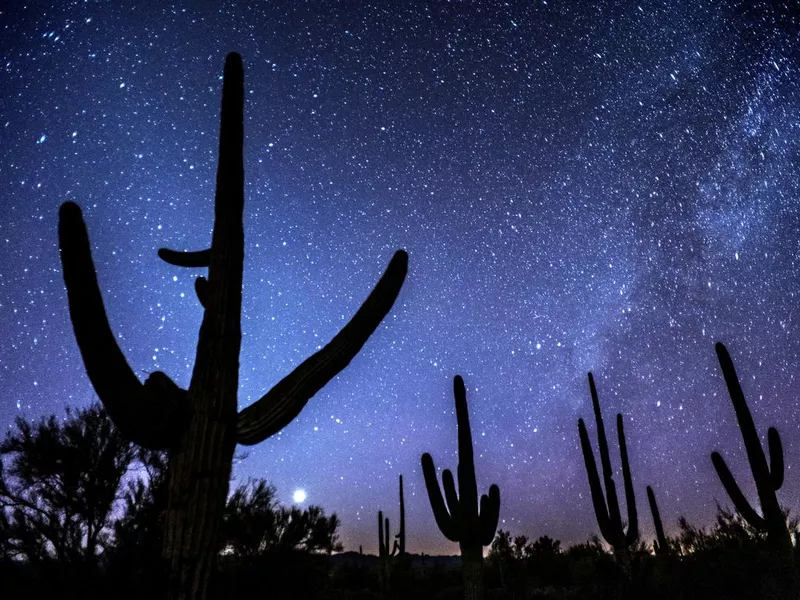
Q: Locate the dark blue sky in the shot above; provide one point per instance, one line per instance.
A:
(611, 187)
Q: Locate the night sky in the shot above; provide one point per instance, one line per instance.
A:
(580, 186)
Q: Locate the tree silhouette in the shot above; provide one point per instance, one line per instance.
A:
(134, 560)
(256, 525)
(60, 488)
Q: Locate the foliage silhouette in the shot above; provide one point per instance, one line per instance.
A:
(256, 525)
(60, 488)
(134, 560)
(200, 427)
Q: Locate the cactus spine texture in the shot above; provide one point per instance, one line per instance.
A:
(201, 426)
(459, 519)
(606, 506)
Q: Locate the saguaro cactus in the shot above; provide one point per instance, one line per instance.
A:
(660, 545)
(200, 427)
(459, 520)
(384, 541)
(606, 506)
(768, 479)
(400, 541)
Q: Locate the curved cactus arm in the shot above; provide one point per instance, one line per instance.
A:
(735, 494)
(661, 544)
(775, 458)
(451, 496)
(202, 290)
(284, 402)
(490, 515)
(612, 502)
(598, 498)
(198, 258)
(630, 497)
(388, 537)
(443, 519)
(150, 415)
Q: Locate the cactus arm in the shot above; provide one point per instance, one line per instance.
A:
(443, 519)
(490, 515)
(735, 494)
(630, 497)
(661, 544)
(602, 442)
(598, 498)
(199, 258)
(281, 404)
(202, 291)
(451, 496)
(149, 415)
(775, 458)
(614, 517)
(752, 444)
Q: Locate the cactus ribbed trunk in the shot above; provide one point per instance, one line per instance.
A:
(199, 475)
(472, 571)
(200, 466)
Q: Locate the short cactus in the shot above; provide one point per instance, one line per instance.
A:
(384, 542)
(459, 519)
(606, 505)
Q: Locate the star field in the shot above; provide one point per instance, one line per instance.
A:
(612, 187)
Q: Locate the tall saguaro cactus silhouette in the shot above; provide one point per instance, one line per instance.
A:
(200, 427)
(768, 479)
(606, 506)
(459, 519)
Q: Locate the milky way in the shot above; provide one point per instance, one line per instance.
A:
(612, 188)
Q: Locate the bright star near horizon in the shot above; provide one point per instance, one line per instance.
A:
(299, 496)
